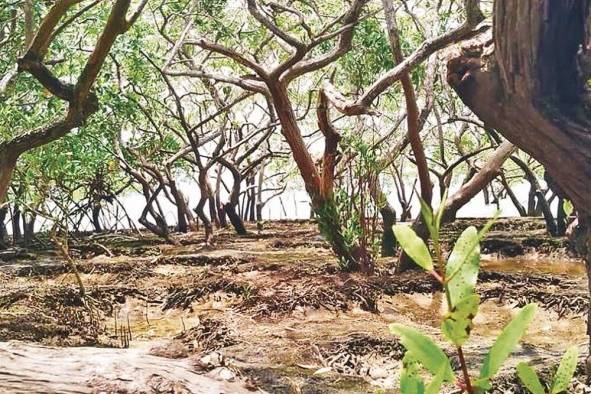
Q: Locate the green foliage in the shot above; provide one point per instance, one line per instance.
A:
(457, 323)
(562, 377)
(424, 350)
(410, 380)
(568, 207)
(504, 345)
(463, 265)
(329, 224)
(414, 246)
(529, 378)
(565, 371)
(458, 278)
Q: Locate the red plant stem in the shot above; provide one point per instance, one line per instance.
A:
(469, 388)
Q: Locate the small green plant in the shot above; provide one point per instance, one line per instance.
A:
(458, 277)
(561, 379)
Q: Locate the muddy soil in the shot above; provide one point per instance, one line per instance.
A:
(272, 311)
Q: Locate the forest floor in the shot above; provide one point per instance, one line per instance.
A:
(270, 311)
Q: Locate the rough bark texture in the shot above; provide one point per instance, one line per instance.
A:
(96, 370)
(526, 83)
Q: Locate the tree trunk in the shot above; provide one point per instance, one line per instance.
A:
(96, 217)
(7, 164)
(388, 247)
(235, 219)
(531, 87)
(221, 214)
(388, 239)
(29, 228)
(252, 198)
(16, 225)
(3, 231)
(233, 200)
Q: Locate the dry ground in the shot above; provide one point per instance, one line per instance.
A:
(272, 310)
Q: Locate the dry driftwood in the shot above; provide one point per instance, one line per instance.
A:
(27, 368)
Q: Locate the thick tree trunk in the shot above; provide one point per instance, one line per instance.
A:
(235, 219)
(388, 248)
(531, 87)
(7, 164)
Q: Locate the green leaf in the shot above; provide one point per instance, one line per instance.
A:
(413, 246)
(506, 342)
(565, 371)
(410, 380)
(423, 350)
(457, 323)
(568, 207)
(463, 265)
(435, 385)
(529, 378)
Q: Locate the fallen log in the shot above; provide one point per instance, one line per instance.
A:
(29, 368)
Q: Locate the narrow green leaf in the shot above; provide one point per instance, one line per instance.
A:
(565, 371)
(410, 379)
(414, 246)
(506, 341)
(435, 385)
(462, 266)
(529, 378)
(424, 350)
(457, 324)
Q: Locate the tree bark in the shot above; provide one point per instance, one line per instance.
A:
(82, 103)
(7, 164)
(528, 83)
(3, 231)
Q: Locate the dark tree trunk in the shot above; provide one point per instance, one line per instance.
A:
(531, 87)
(388, 247)
(96, 218)
(388, 238)
(16, 225)
(221, 215)
(252, 204)
(235, 218)
(231, 207)
(3, 231)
